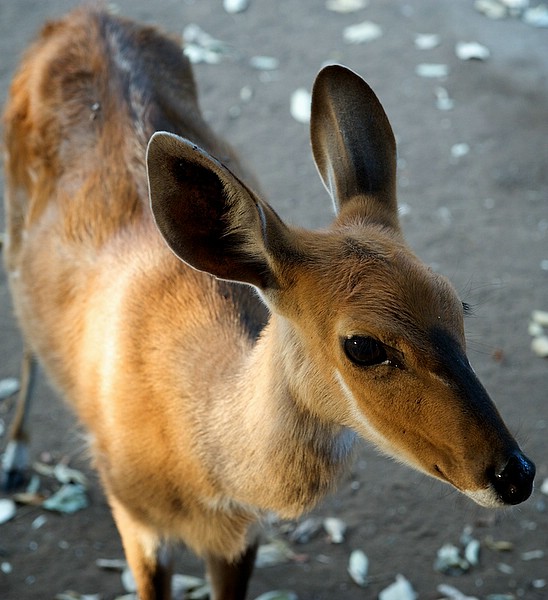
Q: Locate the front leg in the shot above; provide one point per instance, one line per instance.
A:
(147, 556)
(15, 461)
(229, 579)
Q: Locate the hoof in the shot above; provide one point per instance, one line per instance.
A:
(14, 480)
(14, 474)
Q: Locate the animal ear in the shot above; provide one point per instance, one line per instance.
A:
(353, 144)
(208, 217)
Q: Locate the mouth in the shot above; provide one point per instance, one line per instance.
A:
(508, 485)
(486, 497)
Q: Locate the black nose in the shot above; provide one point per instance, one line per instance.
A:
(514, 483)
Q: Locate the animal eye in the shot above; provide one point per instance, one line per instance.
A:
(365, 351)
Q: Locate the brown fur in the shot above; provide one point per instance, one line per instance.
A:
(205, 408)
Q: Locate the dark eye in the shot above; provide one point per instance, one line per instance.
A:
(365, 351)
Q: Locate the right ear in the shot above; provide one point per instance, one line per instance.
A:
(208, 217)
(353, 144)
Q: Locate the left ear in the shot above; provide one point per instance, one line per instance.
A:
(209, 218)
(353, 144)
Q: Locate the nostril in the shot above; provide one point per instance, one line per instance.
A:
(514, 483)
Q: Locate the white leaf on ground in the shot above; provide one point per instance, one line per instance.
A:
(358, 566)
(70, 498)
(401, 589)
(427, 41)
(8, 387)
(300, 105)
(472, 51)
(7, 509)
(335, 528)
(235, 6)
(346, 6)
(362, 32)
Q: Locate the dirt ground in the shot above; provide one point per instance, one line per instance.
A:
(479, 216)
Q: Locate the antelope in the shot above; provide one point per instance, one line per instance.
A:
(223, 361)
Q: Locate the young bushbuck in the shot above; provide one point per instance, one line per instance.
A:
(230, 373)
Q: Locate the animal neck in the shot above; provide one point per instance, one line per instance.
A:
(282, 454)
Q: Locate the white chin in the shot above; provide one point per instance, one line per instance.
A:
(486, 497)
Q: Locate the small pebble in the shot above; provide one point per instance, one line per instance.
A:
(515, 4)
(306, 530)
(6, 568)
(367, 31)
(491, 9)
(535, 329)
(540, 317)
(8, 387)
(196, 55)
(404, 209)
(272, 554)
(278, 595)
(264, 63)
(532, 555)
(246, 93)
(401, 589)
(471, 552)
(235, 6)
(111, 564)
(498, 545)
(335, 528)
(449, 561)
(427, 41)
(539, 346)
(432, 70)
(346, 6)
(200, 47)
(443, 101)
(505, 569)
(452, 593)
(40, 521)
(128, 581)
(472, 51)
(537, 16)
(65, 474)
(358, 566)
(300, 105)
(7, 510)
(70, 498)
(459, 150)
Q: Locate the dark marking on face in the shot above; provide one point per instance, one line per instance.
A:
(451, 363)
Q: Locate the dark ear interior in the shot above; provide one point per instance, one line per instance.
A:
(207, 216)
